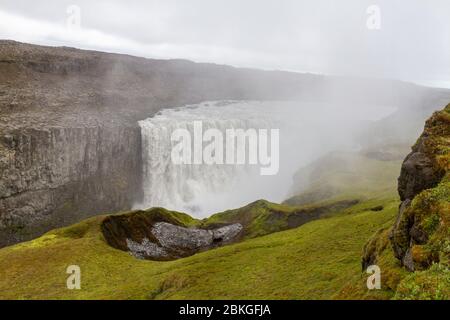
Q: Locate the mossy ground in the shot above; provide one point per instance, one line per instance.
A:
(259, 218)
(314, 261)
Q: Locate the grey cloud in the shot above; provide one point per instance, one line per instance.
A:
(321, 36)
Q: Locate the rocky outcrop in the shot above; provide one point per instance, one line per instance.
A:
(420, 235)
(158, 234)
(422, 210)
(419, 172)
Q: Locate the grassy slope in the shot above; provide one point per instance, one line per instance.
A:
(258, 218)
(311, 262)
(262, 217)
(345, 175)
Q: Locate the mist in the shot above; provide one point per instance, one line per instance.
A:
(307, 131)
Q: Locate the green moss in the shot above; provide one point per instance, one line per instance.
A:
(431, 213)
(432, 284)
(431, 223)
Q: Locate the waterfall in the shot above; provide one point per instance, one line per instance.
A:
(199, 189)
(306, 132)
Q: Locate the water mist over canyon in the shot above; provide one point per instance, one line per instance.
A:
(307, 131)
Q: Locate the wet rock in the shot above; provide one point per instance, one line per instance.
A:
(227, 233)
(173, 242)
(146, 249)
(418, 173)
(181, 239)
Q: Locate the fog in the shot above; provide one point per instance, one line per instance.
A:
(407, 40)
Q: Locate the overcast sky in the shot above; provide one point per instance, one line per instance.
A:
(402, 39)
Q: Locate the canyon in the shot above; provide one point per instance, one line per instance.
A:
(70, 142)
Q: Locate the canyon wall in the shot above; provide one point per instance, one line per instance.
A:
(57, 176)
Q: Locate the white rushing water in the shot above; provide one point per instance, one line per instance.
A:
(306, 132)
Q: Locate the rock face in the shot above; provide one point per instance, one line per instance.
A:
(57, 176)
(418, 172)
(158, 235)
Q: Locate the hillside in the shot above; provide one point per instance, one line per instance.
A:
(311, 262)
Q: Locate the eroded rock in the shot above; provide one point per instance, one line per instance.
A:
(158, 234)
(172, 242)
